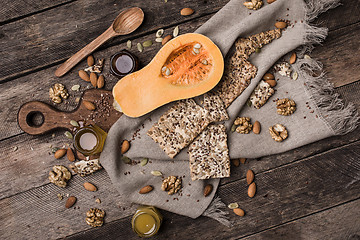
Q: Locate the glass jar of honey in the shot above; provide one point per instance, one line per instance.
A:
(89, 139)
(123, 63)
(146, 221)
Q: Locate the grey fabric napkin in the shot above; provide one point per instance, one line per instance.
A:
(319, 113)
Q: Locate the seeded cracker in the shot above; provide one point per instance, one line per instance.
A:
(216, 108)
(178, 127)
(209, 154)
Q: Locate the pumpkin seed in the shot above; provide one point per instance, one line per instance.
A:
(165, 1)
(198, 45)
(249, 103)
(128, 44)
(176, 31)
(158, 39)
(233, 205)
(75, 87)
(144, 161)
(159, 33)
(140, 47)
(147, 43)
(126, 160)
(167, 72)
(74, 123)
(295, 75)
(68, 135)
(205, 62)
(156, 173)
(233, 128)
(258, 50)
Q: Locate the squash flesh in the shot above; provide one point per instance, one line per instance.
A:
(151, 87)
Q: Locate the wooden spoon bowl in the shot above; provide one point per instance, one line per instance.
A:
(126, 22)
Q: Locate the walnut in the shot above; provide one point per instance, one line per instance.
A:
(254, 4)
(95, 217)
(283, 68)
(285, 106)
(171, 184)
(57, 92)
(278, 132)
(261, 94)
(97, 67)
(243, 125)
(59, 175)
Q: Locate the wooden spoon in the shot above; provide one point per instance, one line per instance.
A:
(126, 22)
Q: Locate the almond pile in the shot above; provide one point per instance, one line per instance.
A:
(97, 82)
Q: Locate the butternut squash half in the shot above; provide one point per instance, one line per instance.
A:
(187, 66)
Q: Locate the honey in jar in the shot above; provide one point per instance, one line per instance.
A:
(146, 221)
(90, 139)
(123, 63)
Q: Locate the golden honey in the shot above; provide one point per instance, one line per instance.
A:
(90, 139)
(146, 221)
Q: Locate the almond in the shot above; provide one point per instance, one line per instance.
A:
(268, 76)
(249, 177)
(90, 187)
(208, 189)
(270, 1)
(166, 39)
(239, 212)
(292, 58)
(256, 127)
(125, 146)
(60, 153)
(280, 25)
(146, 189)
(70, 155)
(252, 190)
(186, 11)
(272, 83)
(93, 79)
(70, 202)
(235, 162)
(243, 160)
(89, 105)
(84, 76)
(101, 81)
(90, 60)
(80, 155)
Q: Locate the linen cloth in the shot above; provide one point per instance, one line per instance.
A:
(319, 114)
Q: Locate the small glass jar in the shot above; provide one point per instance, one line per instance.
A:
(90, 139)
(146, 221)
(123, 63)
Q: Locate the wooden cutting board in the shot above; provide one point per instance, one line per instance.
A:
(104, 115)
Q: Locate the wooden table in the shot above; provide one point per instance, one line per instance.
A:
(309, 193)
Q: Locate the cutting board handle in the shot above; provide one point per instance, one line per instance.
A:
(50, 118)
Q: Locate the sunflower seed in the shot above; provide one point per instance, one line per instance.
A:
(176, 31)
(140, 47)
(295, 75)
(68, 135)
(159, 33)
(15, 148)
(198, 45)
(75, 87)
(147, 43)
(156, 173)
(126, 160)
(74, 123)
(158, 39)
(233, 205)
(144, 161)
(128, 44)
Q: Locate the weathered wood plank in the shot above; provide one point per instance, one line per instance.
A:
(335, 223)
(284, 194)
(52, 36)
(13, 10)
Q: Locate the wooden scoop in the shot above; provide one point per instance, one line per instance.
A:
(126, 22)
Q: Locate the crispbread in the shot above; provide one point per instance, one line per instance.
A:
(179, 126)
(209, 154)
(215, 107)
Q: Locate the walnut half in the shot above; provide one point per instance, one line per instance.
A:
(254, 4)
(171, 184)
(285, 106)
(278, 132)
(243, 125)
(57, 92)
(95, 217)
(59, 175)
